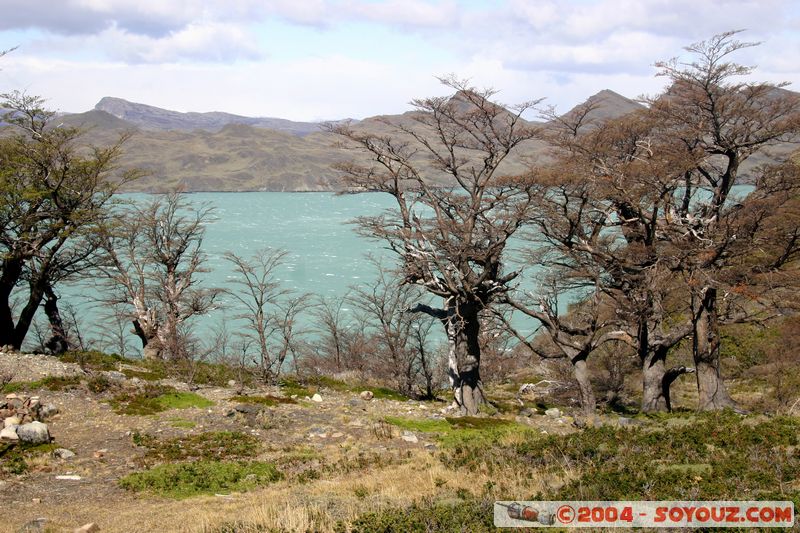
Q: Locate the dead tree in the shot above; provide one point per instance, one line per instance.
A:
(152, 258)
(455, 210)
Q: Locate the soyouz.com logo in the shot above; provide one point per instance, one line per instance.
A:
(644, 514)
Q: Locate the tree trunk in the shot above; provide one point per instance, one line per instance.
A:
(654, 397)
(581, 369)
(12, 270)
(59, 341)
(152, 349)
(705, 347)
(463, 330)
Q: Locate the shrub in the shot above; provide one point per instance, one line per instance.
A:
(216, 445)
(471, 515)
(154, 399)
(183, 480)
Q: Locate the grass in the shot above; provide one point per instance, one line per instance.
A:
(184, 480)
(268, 400)
(457, 516)
(292, 387)
(155, 399)
(381, 393)
(181, 423)
(209, 446)
(452, 431)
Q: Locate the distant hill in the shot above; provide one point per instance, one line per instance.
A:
(154, 118)
(225, 152)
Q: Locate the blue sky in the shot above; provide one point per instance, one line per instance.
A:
(325, 59)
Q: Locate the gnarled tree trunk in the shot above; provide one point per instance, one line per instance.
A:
(463, 329)
(581, 370)
(58, 343)
(713, 395)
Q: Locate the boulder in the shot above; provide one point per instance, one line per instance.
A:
(47, 411)
(316, 398)
(63, 453)
(367, 395)
(553, 412)
(11, 421)
(33, 433)
(409, 437)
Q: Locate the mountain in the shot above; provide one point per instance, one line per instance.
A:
(154, 118)
(225, 152)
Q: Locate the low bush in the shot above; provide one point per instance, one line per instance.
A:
(216, 445)
(471, 515)
(155, 399)
(184, 480)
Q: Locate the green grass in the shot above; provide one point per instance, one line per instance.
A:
(292, 387)
(268, 400)
(184, 480)
(381, 393)
(212, 446)
(155, 399)
(452, 431)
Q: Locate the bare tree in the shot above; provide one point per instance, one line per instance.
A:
(450, 238)
(270, 310)
(399, 337)
(153, 256)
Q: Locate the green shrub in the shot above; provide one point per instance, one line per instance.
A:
(14, 456)
(471, 515)
(93, 359)
(155, 399)
(183, 480)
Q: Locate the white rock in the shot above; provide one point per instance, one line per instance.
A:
(409, 437)
(70, 477)
(231, 383)
(316, 398)
(33, 433)
(91, 527)
(11, 421)
(367, 395)
(9, 433)
(63, 453)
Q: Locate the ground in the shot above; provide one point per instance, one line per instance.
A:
(338, 457)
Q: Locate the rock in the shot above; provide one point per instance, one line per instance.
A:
(337, 435)
(553, 412)
(231, 383)
(366, 395)
(115, 375)
(431, 447)
(63, 453)
(9, 433)
(34, 526)
(249, 408)
(33, 433)
(36, 500)
(230, 413)
(527, 411)
(11, 421)
(316, 398)
(623, 421)
(91, 527)
(69, 477)
(99, 454)
(409, 437)
(47, 411)
(527, 388)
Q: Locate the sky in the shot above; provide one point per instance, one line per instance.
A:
(331, 59)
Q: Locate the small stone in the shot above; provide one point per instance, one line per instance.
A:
(230, 413)
(36, 500)
(430, 447)
(11, 396)
(316, 398)
(293, 396)
(553, 412)
(99, 454)
(528, 412)
(625, 421)
(11, 421)
(367, 395)
(9, 433)
(69, 477)
(63, 453)
(115, 375)
(33, 433)
(409, 437)
(337, 435)
(47, 411)
(231, 383)
(423, 407)
(91, 527)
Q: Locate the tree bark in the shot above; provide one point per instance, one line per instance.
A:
(581, 369)
(463, 330)
(152, 349)
(653, 372)
(11, 272)
(58, 343)
(713, 395)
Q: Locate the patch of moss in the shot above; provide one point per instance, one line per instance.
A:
(93, 359)
(184, 480)
(291, 387)
(268, 400)
(382, 393)
(14, 457)
(212, 445)
(155, 399)
(181, 423)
